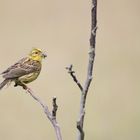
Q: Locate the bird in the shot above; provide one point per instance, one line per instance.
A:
(25, 70)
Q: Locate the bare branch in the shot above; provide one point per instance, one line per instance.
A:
(80, 125)
(55, 107)
(72, 73)
(89, 69)
(85, 88)
(51, 116)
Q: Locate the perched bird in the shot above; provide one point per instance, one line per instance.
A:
(25, 70)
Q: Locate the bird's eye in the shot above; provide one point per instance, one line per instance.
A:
(36, 52)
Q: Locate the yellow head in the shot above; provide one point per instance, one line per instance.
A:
(37, 54)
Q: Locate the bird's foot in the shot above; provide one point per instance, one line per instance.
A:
(20, 84)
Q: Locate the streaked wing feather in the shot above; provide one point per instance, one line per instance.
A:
(17, 72)
(21, 68)
(15, 65)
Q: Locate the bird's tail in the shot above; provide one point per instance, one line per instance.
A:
(4, 83)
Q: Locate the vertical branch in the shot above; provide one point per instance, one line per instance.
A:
(84, 89)
(89, 70)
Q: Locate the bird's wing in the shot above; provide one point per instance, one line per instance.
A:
(15, 65)
(21, 68)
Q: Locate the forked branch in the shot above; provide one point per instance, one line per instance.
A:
(84, 89)
(51, 116)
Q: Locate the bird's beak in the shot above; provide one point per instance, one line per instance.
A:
(44, 55)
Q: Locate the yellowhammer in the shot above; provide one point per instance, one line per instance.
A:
(24, 71)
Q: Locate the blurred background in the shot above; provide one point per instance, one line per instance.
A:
(62, 29)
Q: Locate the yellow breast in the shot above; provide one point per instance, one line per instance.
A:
(29, 78)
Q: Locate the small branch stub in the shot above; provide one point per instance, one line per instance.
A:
(55, 107)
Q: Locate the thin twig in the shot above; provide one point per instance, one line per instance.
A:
(72, 73)
(51, 116)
